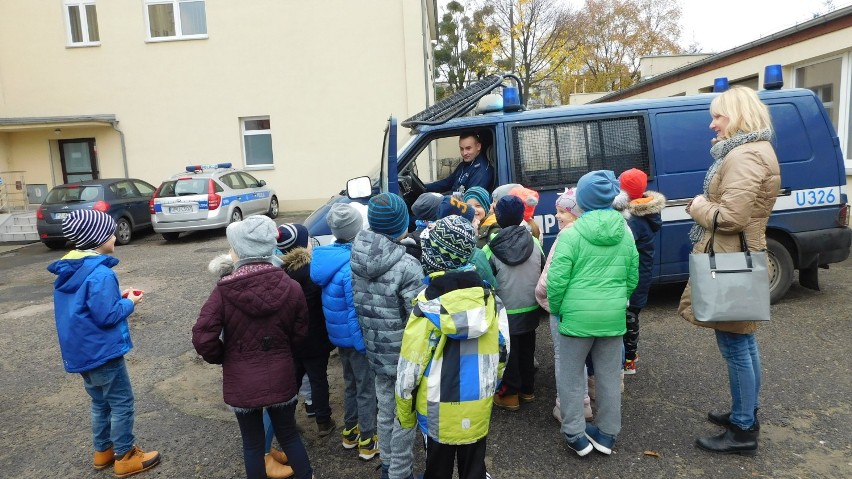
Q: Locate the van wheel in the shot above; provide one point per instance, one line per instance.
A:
(273, 208)
(780, 265)
(170, 236)
(236, 215)
(123, 231)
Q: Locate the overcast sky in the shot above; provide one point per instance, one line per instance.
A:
(719, 25)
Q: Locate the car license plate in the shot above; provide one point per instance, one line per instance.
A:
(59, 216)
(180, 209)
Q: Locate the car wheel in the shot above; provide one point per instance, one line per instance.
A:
(54, 244)
(170, 236)
(123, 231)
(273, 208)
(236, 215)
(780, 265)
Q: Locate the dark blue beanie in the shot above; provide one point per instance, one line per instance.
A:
(451, 205)
(509, 211)
(597, 189)
(387, 214)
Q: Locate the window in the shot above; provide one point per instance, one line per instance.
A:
(123, 189)
(233, 181)
(250, 181)
(175, 19)
(823, 79)
(257, 141)
(143, 188)
(82, 20)
(551, 156)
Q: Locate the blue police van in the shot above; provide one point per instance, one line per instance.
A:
(668, 138)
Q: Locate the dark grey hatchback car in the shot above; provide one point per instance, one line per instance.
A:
(125, 199)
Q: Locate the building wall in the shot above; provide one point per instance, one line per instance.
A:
(326, 76)
(4, 152)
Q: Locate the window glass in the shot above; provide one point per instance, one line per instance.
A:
(73, 194)
(192, 186)
(123, 189)
(82, 17)
(250, 181)
(557, 155)
(74, 24)
(161, 18)
(193, 21)
(824, 80)
(176, 18)
(234, 181)
(92, 21)
(143, 188)
(257, 141)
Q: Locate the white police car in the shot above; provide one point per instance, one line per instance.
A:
(208, 197)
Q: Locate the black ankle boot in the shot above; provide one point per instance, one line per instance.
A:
(733, 441)
(724, 419)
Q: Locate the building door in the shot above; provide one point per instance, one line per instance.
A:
(79, 160)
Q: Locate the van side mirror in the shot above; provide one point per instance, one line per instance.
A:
(361, 187)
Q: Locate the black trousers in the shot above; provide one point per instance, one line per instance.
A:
(519, 375)
(317, 369)
(631, 338)
(441, 457)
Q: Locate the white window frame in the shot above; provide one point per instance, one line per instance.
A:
(176, 12)
(244, 133)
(84, 23)
(844, 110)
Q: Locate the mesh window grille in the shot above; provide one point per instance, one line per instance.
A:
(557, 155)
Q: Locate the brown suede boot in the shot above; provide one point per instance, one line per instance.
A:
(279, 456)
(509, 402)
(276, 470)
(134, 461)
(104, 459)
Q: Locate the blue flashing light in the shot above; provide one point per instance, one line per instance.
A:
(511, 99)
(194, 168)
(773, 77)
(720, 84)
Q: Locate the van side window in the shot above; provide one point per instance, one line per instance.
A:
(556, 155)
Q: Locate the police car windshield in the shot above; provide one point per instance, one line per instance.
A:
(184, 187)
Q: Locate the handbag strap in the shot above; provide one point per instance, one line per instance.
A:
(712, 254)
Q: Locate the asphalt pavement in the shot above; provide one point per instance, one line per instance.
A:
(806, 421)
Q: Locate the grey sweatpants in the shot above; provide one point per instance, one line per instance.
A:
(359, 401)
(396, 443)
(606, 356)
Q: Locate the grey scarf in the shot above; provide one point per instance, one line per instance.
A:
(719, 151)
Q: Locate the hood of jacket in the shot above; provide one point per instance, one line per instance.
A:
(327, 261)
(378, 254)
(601, 227)
(512, 245)
(457, 295)
(650, 207)
(296, 259)
(73, 269)
(258, 293)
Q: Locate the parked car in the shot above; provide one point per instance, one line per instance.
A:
(125, 199)
(208, 197)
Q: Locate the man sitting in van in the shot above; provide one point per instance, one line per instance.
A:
(474, 170)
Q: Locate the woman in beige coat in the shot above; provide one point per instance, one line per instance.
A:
(741, 186)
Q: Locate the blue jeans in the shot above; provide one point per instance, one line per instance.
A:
(743, 358)
(112, 406)
(284, 424)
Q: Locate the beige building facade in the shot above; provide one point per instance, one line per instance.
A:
(816, 54)
(297, 92)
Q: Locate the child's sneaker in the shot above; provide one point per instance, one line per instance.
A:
(629, 366)
(309, 409)
(600, 441)
(580, 445)
(368, 448)
(351, 437)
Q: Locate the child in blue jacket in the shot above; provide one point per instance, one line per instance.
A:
(91, 322)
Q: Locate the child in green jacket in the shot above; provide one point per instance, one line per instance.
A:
(453, 355)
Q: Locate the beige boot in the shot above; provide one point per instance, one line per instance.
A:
(276, 470)
(134, 461)
(279, 456)
(104, 459)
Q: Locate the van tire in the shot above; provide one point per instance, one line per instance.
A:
(170, 236)
(780, 265)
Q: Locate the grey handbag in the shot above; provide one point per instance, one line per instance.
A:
(729, 286)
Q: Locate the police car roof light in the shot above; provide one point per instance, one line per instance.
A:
(720, 84)
(511, 99)
(773, 77)
(194, 168)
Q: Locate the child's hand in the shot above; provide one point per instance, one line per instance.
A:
(134, 295)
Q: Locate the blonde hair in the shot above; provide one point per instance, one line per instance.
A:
(744, 110)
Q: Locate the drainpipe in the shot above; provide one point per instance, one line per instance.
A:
(123, 148)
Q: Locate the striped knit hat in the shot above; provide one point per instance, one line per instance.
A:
(482, 196)
(88, 229)
(292, 236)
(387, 214)
(448, 245)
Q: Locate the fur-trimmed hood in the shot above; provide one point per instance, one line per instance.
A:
(221, 265)
(651, 202)
(296, 258)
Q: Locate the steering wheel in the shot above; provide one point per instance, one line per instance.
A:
(410, 187)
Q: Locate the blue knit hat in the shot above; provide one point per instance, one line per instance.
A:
(509, 211)
(597, 189)
(388, 215)
(292, 236)
(88, 229)
(482, 196)
(448, 245)
(454, 206)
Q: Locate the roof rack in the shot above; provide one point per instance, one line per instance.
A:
(461, 102)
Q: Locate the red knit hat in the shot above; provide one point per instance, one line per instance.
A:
(634, 182)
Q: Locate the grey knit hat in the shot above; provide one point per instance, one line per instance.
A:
(345, 221)
(426, 206)
(253, 237)
(502, 191)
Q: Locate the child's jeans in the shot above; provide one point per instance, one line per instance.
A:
(284, 424)
(359, 401)
(112, 406)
